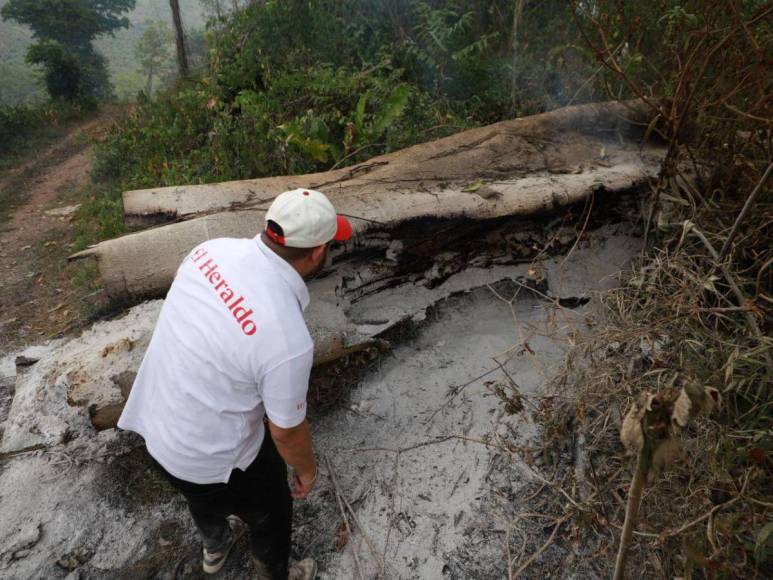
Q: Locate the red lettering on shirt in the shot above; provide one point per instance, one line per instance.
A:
(198, 254)
(209, 268)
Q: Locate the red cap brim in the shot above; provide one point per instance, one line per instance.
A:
(344, 231)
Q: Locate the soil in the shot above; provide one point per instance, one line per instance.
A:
(39, 293)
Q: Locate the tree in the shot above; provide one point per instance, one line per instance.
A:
(62, 71)
(64, 31)
(69, 22)
(182, 56)
(152, 51)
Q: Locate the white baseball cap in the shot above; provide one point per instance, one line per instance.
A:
(304, 218)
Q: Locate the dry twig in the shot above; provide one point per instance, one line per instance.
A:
(337, 492)
(738, 295)
(522, 568)
(739, 220)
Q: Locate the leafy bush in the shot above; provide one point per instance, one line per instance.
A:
(19, 124)
(305, 86)
(15, 122)
(306, 121)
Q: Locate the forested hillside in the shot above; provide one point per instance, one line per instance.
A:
(20, 84)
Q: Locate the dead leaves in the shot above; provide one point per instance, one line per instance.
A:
(631, 433)
(659, 418)
(691, 401)
(695, 400)
(508, 394)
(341, 537)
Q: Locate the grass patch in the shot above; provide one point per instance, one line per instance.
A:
(100, 216)
(86, 276)
(24, 130)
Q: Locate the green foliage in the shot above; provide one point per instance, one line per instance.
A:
(448, 44)
(312, 137)
(99, 217)
(62, 70)
(305, 86)
(763, 546)
(294, 87)
(64, 30)
(80, 78)
(72, 23)
(21, 126)
(307, 121)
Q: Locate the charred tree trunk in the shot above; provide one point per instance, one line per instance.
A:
(182, 55)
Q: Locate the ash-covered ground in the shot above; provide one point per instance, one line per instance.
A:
(418, 451)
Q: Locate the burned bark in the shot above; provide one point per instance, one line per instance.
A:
(144, 263)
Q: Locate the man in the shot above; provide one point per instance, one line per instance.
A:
(231, 350)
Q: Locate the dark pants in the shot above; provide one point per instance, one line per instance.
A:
(260, 496)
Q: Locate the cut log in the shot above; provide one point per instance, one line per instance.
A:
(143, 264)
(560, 141)
(516, 168)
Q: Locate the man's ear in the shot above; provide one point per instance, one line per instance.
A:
(318, 253)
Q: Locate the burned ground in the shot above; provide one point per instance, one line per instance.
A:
(416, 443)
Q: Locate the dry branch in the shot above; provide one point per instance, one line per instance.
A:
(739, 220)
(522, 568)
(669, 323)
(349, 534)
(643, 462)
(742, 300)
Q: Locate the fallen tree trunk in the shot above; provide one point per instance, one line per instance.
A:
(413, 212)
(143, 264)
(561, 141)
(515, 168)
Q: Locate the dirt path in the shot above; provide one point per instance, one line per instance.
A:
(39, 294)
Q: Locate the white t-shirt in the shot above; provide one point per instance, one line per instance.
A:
(229, 347)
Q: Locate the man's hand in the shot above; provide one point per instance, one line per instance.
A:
(302, 485)
(294, 445)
